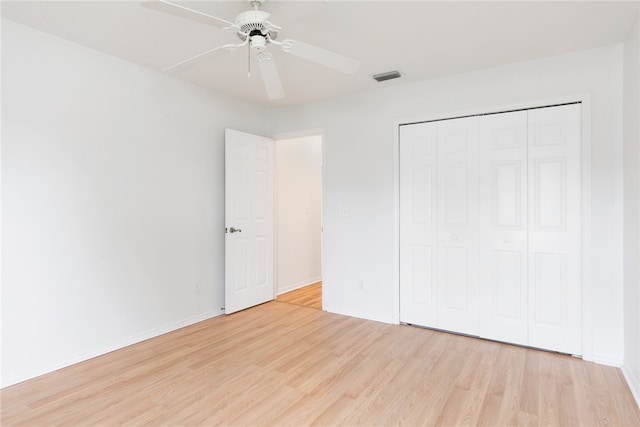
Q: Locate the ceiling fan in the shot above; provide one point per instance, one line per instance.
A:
(256, 32)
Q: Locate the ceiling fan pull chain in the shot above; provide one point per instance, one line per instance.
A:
(249, 60)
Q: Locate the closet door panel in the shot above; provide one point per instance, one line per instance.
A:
(418, 262)
(554, 229)
(503, 227)
(457, 201)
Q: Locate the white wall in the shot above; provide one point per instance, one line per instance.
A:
(631, 367)
(298, 192)
(359, 175)
(113, 202)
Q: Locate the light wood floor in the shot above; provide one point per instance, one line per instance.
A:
(308, 296)
(284, 364)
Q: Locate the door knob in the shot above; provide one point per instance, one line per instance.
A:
(234, 230)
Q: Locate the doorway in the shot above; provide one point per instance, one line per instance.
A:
(298, 220)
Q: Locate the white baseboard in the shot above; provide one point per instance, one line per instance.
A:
(633, 382)
(298, 285)
(606, 362)
(18, 377)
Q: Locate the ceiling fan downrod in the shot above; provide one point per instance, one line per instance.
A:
(249, 61)
(255, 4)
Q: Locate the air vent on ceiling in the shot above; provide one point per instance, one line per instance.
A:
(386, 76)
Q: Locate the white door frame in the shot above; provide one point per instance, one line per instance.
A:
(585, 99)
(291, 135)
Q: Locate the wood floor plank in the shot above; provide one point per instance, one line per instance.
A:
(287, 364)
(307, 296)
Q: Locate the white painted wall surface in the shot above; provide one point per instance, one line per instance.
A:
(631, 367)
(298, 194)
(113, 202)
(359, 175)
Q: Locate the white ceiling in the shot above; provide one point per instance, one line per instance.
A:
(421, 39)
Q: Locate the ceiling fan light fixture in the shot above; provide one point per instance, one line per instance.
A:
(258, 43)
(389, 75)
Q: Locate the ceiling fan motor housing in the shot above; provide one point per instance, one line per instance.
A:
(253, 23)
(252, 20)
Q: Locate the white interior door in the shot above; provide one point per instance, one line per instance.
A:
(418, 224)
(503, 227)
(248, 220)
(554, 229)
(457, 201)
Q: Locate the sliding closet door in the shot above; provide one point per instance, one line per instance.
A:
(554, 229)
(457, 275)
(503, 227)
(418, 156)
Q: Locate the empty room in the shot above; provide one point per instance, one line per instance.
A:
(328, 212)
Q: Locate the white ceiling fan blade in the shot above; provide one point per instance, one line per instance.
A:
(321, 56)
(201, 57)
(185, 12)
(270, 76)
